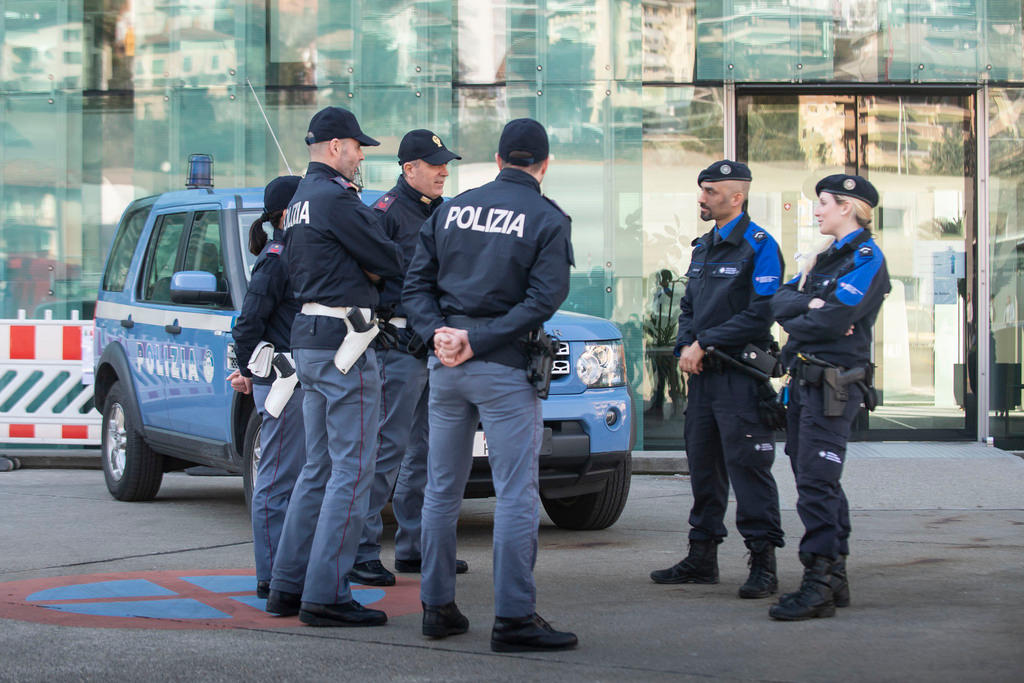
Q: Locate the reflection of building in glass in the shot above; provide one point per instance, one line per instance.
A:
(101, 102)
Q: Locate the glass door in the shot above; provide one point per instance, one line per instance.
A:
(918, 150)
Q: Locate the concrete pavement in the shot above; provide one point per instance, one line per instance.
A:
(937, 575)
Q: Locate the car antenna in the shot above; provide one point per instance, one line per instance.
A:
(269, 127)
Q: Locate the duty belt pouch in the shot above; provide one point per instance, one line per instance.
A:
(282, 388)
(262, 359)
(835, 394)
(360, 334)
(811, 374)
(759, 359)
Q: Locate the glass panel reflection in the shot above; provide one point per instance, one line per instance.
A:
(1006, 217)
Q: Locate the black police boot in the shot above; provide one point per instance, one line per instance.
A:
(262, 589)
(415, 566)
(699, 566)
(814, 599)
(840, 585)
(283, 603)
(443, 621)
(763, 580)
(526, 634)
(349, 613)
(371, 573)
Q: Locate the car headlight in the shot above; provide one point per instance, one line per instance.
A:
(602, 364)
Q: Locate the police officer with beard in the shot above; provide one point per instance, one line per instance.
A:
(334, 247)
(734, 270)
(402, 357)
(491, 266)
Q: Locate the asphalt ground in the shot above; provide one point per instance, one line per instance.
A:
(937, 576)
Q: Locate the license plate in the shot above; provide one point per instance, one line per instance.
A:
(480, 445)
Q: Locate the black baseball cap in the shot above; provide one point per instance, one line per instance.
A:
(528, 138)
(424, 144)
(278, 193)
(336, 122)
(850, 186)
(726, 169)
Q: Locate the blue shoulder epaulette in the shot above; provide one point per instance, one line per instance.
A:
(345, 183)
(384, 203)
(552, 203)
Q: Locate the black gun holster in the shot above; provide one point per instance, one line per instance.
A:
(835, 383)
(540, 350)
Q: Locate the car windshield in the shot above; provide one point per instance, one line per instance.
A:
(245, 219)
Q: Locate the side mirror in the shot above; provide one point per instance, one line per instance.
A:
(197, 287)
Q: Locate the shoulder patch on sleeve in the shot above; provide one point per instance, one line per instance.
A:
(384, 203)
(865, 250)
(760, 235)
(552, 203)
(275, 248)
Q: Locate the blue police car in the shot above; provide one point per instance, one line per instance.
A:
(171, 289)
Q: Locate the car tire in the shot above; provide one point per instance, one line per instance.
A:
(132, 470)
(251, 453)
(593, 511)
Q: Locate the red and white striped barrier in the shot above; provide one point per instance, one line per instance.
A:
(45, 383)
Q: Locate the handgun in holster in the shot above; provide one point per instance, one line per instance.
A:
(357, 339)
(283, 387)
(836, 383)
(265, 360)
(541, 350)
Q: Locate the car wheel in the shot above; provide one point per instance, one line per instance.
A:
(132, 470)
(251, 453)
(593, 511)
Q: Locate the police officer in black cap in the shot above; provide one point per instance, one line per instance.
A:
(734, 271)
(491, 266)
(268, 310)
(335, 248)
(829, 310)
(402, 357)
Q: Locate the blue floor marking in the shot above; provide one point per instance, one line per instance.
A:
(184, 608)
(126, 588)
(252, 601)
(223, 584)
(367, 596)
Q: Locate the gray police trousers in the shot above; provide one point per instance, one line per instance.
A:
(403, 380)
(282, 455)
(500, 398)
(328, 506)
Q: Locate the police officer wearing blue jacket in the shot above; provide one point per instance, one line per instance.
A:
(334, 247)
(734, 271)
(268, 311)
(491, 265)
(828, 311)
(402, 358)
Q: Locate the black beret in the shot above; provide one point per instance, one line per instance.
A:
(336, 122)
(527, 137)
(848, 185)
(725, 169)
(278, 193)
(424, 144)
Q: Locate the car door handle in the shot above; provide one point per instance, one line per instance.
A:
(173, 329)
(127, 323)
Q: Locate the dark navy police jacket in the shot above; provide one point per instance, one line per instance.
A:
(331, 237)
(734, 270)
(499, 254)
(268, 309)
(852, 279)
(403, 212)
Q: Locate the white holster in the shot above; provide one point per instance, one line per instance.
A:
(353, 346)
(283, 387)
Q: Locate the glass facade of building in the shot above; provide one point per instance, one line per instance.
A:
(101, 101)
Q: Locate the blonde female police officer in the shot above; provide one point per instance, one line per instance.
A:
(828, 311)
(267, 315)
